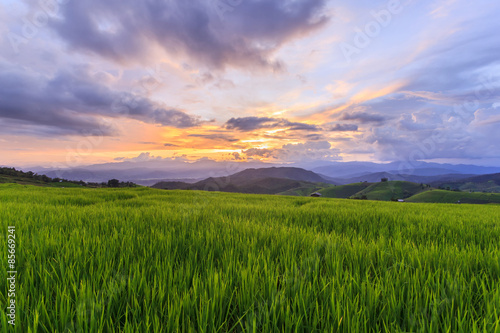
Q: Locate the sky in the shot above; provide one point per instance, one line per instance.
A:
(279, 81)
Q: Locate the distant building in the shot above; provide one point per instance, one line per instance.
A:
(401, 200)
(316, 194)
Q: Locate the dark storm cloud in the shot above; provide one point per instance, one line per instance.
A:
(213, 33)
(71, 102)
(246, 124)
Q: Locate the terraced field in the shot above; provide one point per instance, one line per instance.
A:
(145, 260)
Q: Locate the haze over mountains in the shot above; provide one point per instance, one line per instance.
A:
(153, 171)
(448, 188)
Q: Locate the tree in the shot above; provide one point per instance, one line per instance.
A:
(113, 183)
(383, 180)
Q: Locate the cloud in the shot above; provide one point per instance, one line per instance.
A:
(212, 33)
(363, 117)
(261, 152)
(300, 152)
(342, 128)
(237, 156)
(247, 124)
(148, 157)
(71, 102)
(222, 137)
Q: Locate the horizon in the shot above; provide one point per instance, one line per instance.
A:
(270, 82)
(250, 164)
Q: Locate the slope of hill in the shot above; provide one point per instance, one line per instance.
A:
(281, 172)
(347, 169)
(13, 176)
(484, 183)
(441, 196)
(287, 181)
(376, 176)
(258, 181)
(241, 185)
(343, 191)
(390, 190)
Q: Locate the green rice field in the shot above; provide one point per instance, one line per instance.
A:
(145, 260)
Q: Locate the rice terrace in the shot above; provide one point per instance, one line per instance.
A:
(139, 260)
(263, 166)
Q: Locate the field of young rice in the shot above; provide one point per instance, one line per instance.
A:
(144, 260)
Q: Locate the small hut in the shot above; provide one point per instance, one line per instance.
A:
(316, 194)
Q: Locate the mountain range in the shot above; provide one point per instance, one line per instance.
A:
(300, 182)
(151, 171)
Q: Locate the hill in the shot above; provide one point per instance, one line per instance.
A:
(343, 191)
(353, 169)
(241, 185)
(287, 181)
(13, 176)
(484, 183)
(390, 190)
(376, 176)
(304, 183)
(279, 172)
(442, 196)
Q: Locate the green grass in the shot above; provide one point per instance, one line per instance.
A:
(441, 196)
(386, 191)
(145, 260)
(343, 191)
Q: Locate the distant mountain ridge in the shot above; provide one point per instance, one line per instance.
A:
(153, 171)
(353, 169)
(482, 183)
(281, 172)
(376, 176)
(258, 181)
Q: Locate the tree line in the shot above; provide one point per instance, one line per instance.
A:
(46, 179)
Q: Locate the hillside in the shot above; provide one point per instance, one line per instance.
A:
(375, 177)
(281, 172)
(343, 191)
(242, 185)
(13, 176)
(441, 196)
(484, 183)
(390, 190)
(248, 181)
(286, 181)
(353, 169)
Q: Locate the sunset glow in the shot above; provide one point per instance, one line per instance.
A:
(313, 80)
